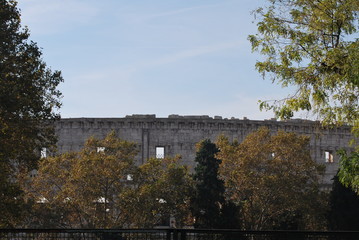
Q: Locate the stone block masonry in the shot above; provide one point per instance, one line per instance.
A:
(179, 134)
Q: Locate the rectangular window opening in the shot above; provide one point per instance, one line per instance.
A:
(329, 157)
(100, 149)
(43, 152)
(160, 152)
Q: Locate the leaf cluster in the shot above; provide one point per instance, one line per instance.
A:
(349, 169)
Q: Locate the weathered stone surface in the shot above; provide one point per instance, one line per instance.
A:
(179, 134)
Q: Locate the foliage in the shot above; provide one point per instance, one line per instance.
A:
(274, 181)
(28, 94)
(344, 208)
(28, 98)
(11, 203)
(101, 187)
(83, 189)
(349, 169)
(208, 203)
(161, 190)
(313, 46)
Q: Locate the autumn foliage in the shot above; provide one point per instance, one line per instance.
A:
(273, 180)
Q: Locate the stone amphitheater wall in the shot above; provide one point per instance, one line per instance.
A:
(179, 134)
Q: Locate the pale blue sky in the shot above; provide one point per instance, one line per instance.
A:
(122, 57)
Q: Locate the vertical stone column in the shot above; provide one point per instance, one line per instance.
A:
(145, 145)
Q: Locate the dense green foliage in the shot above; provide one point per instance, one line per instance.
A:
(349, 169)
(274, 181)
(208, 204)
(209, 189)
(344, 208)
(28, 98)
(11, 203)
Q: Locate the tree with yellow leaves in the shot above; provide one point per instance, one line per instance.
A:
(161, 192)
(83, 189)
(274, 181)
(102, 187)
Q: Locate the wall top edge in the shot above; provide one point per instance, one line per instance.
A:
(152, 117)
(205, 122)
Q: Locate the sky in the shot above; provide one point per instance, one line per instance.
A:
(124, 57)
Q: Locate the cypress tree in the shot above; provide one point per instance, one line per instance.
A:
(208, 205)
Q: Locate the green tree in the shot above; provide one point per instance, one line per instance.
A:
(311, 45)
(274, 181)
(28, 98)
(208, 204)
(161, 191)
(344, 208)
(83, 189)
(349, 169)
(11, 203)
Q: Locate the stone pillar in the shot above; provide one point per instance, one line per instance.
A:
(145, 145)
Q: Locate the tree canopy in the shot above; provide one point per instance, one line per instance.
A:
(83, 189)
(160, 194)
(28, 94)
(274, 181)
(313, 46)
(28, 102)
(101, 186)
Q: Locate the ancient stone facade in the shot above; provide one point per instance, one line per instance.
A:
(179, 134)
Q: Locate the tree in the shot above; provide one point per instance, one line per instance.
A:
(161, 191)
(349, 169)
(28, 99)
(344, 208)
(83, 189)
(102, 187)
(312, 46)
(208, 203)
(11, 203)
(274, 181)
